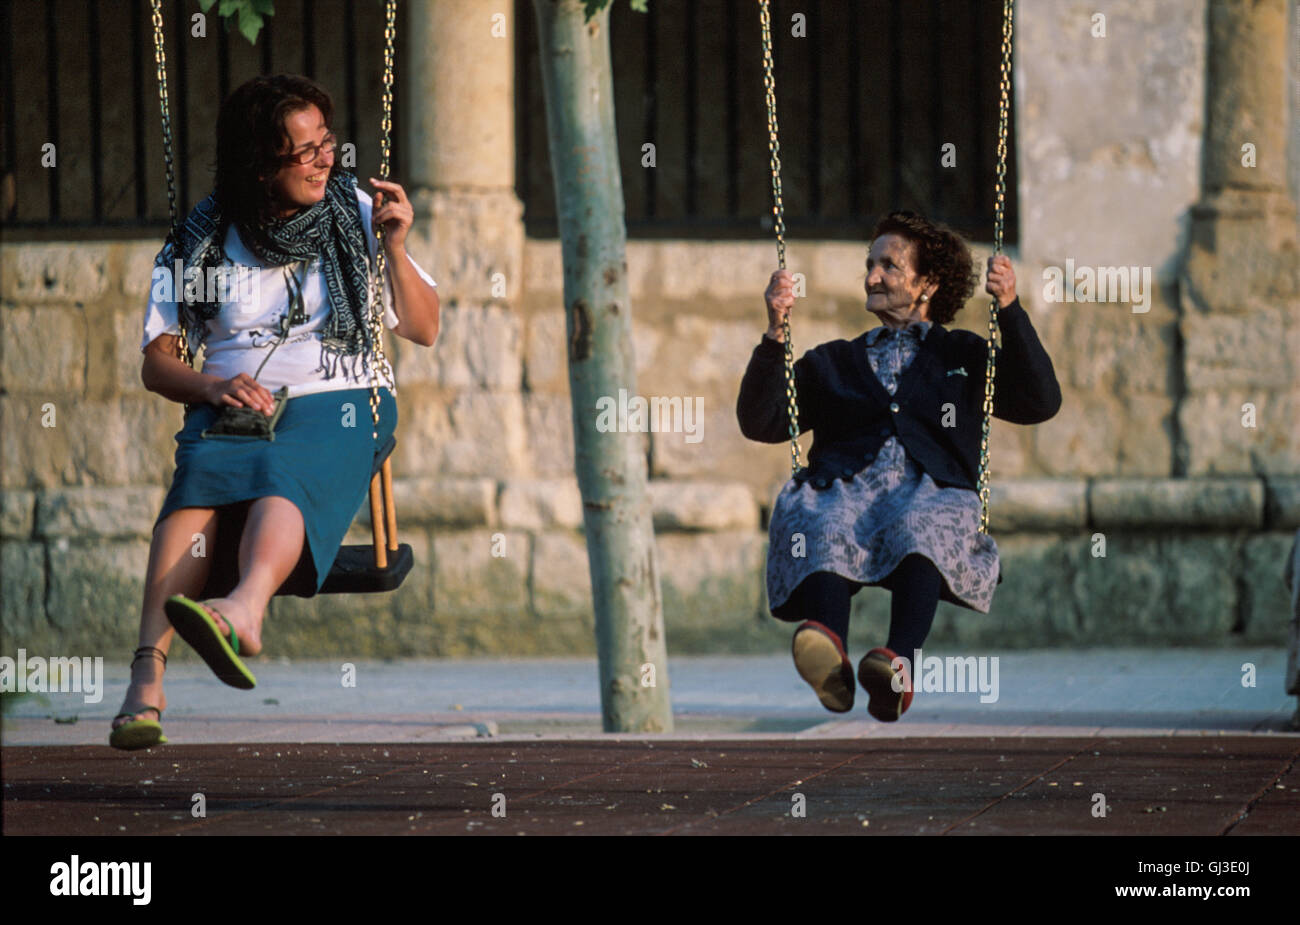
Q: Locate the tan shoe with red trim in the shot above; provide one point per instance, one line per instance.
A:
(890, 689)
(821, 660)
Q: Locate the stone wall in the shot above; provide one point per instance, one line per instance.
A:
(485, 460)
(1105, 123)
(1149, 456)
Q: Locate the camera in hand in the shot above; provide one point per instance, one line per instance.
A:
(249, 422)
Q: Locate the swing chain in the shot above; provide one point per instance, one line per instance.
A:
(778, 213)
(160, 59)
(999, 205)
(381, 264)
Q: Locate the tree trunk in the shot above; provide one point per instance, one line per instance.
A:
(611, 467)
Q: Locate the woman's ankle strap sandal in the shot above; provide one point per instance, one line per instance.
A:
(144, 651)
(139, 733)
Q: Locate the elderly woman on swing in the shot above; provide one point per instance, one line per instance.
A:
(280, 503)
(889, 494)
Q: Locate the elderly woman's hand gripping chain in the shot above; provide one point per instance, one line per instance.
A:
(780, 299)
(1001, 283)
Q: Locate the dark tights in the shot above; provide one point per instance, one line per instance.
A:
(915, 583)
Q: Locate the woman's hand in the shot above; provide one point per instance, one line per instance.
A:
(1001, 282)
(415, 302)
(393, 211)
(239, 392)
(780, 298)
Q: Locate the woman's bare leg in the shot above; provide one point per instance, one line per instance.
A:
(268, 551)
(175, 567)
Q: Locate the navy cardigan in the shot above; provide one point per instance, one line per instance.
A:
(936, 412)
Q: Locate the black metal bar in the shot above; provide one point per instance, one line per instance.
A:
(309, 38)
(976, 174)
(180, 107)
(266, 39)
(96, 121)
(223, 62)
(11, 123)
(895, 106)
(814, 146)
(692, 107)
(854, 114)
(767, 220)
(662, 228)
(350, 72)
(85, 224)
(650, 91)
(732, 114)
(936, 205)
(138, 113)
(523, 101)
(52, 94)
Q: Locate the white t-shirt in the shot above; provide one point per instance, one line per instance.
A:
(248, 324)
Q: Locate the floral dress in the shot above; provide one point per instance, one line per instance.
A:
(861, 528)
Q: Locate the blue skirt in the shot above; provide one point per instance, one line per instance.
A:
(320, 460)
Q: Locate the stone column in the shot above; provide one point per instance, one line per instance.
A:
(1240, 297)
(461, 139)
(460, 401)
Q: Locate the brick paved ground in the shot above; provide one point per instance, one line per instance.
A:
(1180, 785)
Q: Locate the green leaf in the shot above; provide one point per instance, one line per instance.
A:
(265, 7)
(639, 5)
(250, 23)
(228, 8)
(206, 5)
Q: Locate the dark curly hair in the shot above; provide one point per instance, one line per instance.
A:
(940, 255)
(251, 137)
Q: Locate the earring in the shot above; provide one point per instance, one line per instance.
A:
(924, 297)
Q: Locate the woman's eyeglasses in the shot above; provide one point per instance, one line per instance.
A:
(309, 155)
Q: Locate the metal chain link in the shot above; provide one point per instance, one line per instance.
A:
(778, 212)
(999, 205)
(376, 319)
(160, 59)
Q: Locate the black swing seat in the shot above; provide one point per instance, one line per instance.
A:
(359, 569)
(354, 571)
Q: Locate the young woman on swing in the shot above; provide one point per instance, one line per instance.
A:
(889, 495)
(283, 210)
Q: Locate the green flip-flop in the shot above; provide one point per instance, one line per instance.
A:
(221, 653)
(140, 733)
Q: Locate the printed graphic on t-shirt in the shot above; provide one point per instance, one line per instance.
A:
(260, 338)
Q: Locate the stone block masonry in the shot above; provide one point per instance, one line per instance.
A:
(1158, 507)
(486, 494)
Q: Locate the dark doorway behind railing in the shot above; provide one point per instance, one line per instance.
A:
(866, 99)
(80, 75)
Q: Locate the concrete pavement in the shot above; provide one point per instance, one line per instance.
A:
(1058, 693)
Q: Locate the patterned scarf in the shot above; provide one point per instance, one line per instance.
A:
(330, 231)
